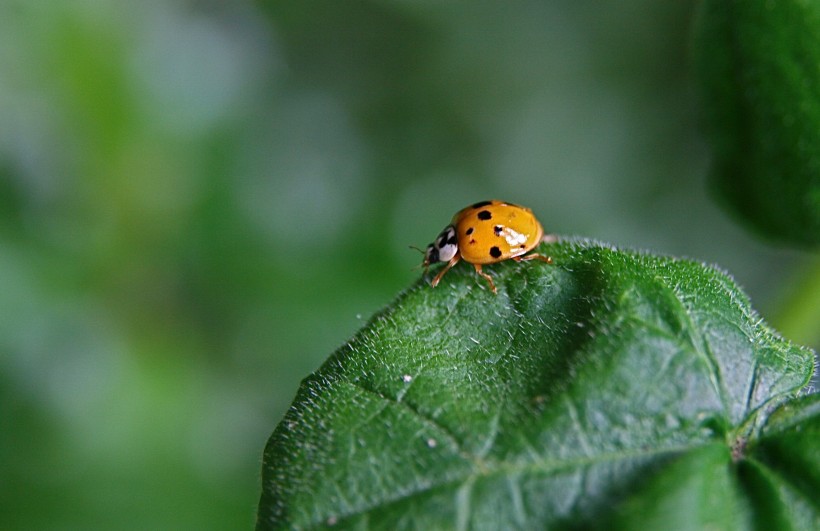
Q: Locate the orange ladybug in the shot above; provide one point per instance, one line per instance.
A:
(486, 233)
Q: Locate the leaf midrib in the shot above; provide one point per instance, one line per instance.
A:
(503, 468)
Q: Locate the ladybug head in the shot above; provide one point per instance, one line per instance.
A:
(443, 249)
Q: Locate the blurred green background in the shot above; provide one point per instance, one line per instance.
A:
(199, 201)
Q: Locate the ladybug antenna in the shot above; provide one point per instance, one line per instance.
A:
(423, 264)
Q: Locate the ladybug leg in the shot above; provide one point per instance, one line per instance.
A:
(485, 275)
(533, 256)
(453, 261)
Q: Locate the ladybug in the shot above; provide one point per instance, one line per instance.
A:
(485, 233)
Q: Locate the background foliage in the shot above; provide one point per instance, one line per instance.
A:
(757, 62)
(200, 200)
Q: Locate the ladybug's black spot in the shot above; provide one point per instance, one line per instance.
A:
(472, 242)
(485, 215)
(482, 204)
(469, 231)
(453, 240)
(495, 252)
(522, 245)
(497, 230)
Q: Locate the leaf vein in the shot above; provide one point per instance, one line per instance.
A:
(416, 413)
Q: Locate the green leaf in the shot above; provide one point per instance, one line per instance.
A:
(758, 65)
(609, 389)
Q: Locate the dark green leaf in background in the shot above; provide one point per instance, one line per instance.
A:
(612, 389)
(759, 65)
